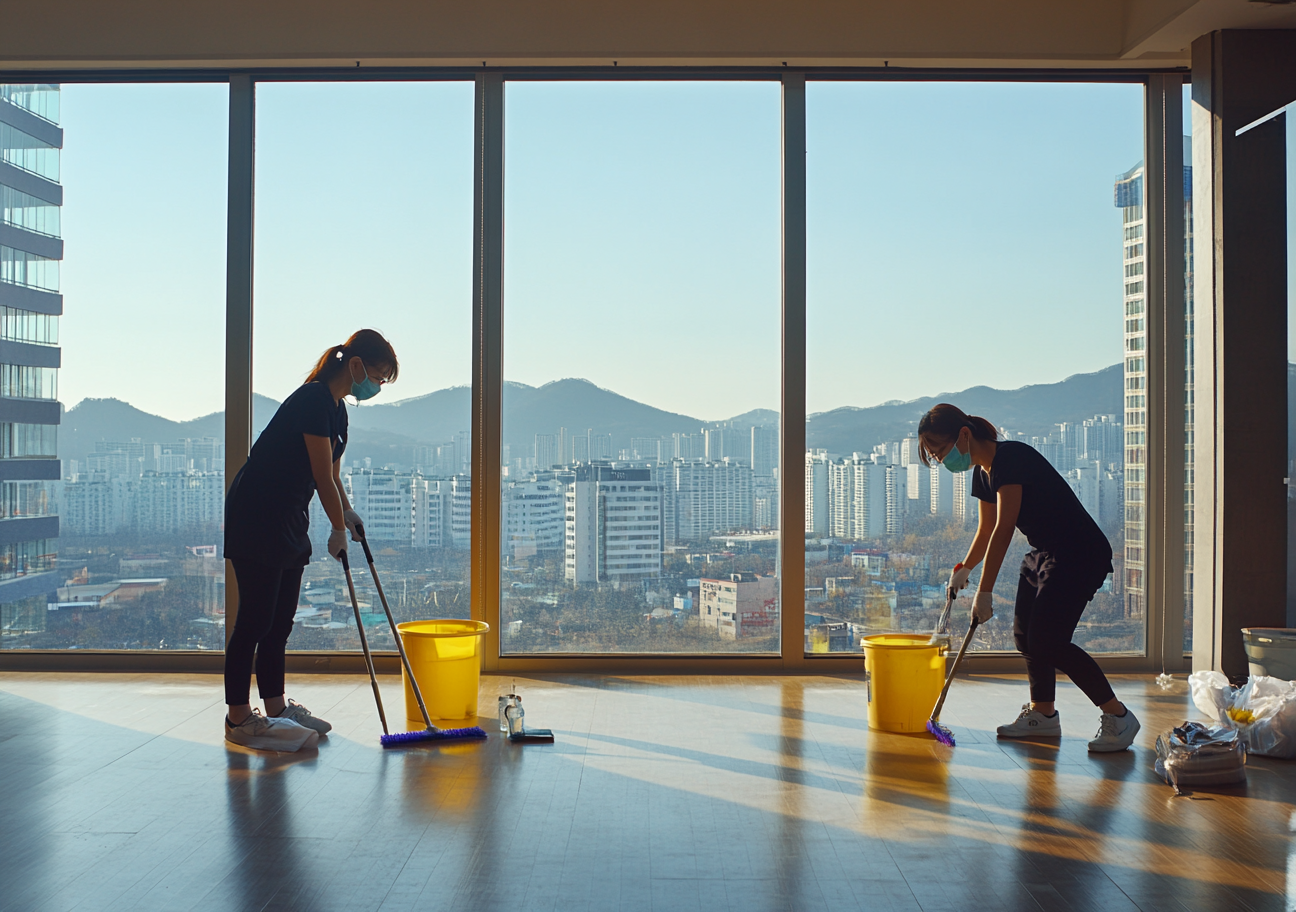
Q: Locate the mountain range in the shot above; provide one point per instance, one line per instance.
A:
(386, 432)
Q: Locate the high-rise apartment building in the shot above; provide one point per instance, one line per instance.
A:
(764, 450)
(708, 498)
(648, 449)
(177, 502)
(1129, 199)
(816, 492)
(31, 249)
(613, 525)
(964, 504)
(534, 515)
(857, 498)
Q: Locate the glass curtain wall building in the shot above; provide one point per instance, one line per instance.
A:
(1128, 198)
(30, 305)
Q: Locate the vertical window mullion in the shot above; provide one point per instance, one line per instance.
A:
(488, 357)
(238, 298)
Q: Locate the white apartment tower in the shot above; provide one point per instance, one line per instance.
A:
(534, 515)
(816, 492)
(613, 527)
(708, 497)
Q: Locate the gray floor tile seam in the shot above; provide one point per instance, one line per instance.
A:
(201, 850)
(163, 866)
(328, 891)
(137, 850)
(46, 897)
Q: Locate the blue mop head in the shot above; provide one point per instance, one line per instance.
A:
(943, 734)
(433, 734)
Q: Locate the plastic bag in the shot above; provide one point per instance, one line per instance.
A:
(1194, 755)
(1263, 711)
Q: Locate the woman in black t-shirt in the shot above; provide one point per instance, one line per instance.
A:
(1070, 557)
(266, 519)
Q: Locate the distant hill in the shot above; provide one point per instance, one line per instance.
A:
(93, 420)
(1032, 410)
(386, 432)
(756, 418)
(528, 410)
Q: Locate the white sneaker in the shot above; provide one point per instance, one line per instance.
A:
(1115, 733)
(302, 716)
(1032, 724)
(260, 733)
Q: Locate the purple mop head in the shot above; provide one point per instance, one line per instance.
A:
(433, 734)
(943, 734)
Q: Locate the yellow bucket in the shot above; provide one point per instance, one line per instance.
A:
(446, 658)
(905, 677)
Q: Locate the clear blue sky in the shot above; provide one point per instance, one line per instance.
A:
(959, 234)
(364, 219)
(143, 274)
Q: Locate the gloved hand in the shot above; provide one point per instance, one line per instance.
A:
(983, 606)
(337, 543)
(352, 519)
(958, 580)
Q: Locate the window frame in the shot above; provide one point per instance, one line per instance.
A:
(1163, 123)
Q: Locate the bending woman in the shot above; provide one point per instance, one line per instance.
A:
(266, 521)
(1069, 559)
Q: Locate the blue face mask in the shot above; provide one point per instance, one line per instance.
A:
(366, 388)
(957, 462)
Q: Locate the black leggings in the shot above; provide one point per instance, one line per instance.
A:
(266, 605)
(1051, 596)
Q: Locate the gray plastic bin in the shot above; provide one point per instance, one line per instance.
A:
(1271, 651)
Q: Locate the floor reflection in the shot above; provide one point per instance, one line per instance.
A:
(743, 794)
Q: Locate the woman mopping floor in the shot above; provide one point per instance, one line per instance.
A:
(266, 519)
(1069, 559)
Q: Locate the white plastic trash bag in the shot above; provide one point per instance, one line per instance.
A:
(1263, 711)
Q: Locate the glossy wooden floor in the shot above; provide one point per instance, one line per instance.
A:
(118, 793)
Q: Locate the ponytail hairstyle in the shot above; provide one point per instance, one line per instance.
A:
(944, 423)
(368, 345)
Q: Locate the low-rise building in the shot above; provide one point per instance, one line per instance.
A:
(741, 605)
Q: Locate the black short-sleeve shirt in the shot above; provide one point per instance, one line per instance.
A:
(1051, 516)
(267, 510)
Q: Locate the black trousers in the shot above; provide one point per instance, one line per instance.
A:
(267, 603)
(1051, 596)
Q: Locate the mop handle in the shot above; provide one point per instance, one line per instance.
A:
(364, 643)
(949, 679)
(400, 646)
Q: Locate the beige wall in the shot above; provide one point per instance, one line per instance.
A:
(979, 33)
(582, 32)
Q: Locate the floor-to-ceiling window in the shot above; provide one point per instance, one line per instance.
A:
(364, 220)
(641, 367)
(979, 244)
(112, 438)
(1290, 118)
